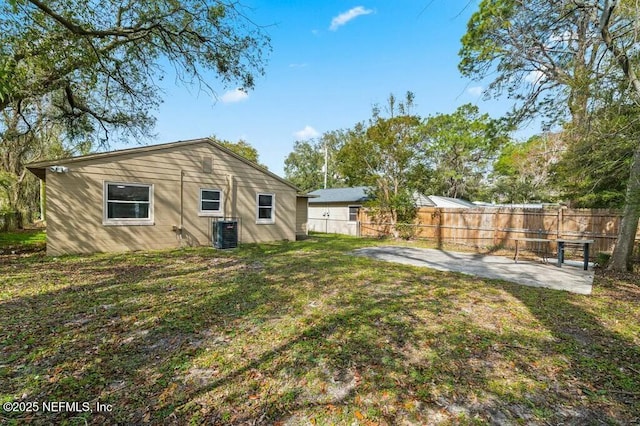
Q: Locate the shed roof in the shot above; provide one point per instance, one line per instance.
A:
(359, 194)
(448, 202)
(356, 194)
(39, 168)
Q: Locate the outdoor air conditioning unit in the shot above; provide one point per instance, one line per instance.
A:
(225, 234)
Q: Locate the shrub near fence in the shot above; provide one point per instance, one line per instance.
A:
(497, 227)
(10, 221)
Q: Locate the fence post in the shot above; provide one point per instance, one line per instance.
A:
(560, 219)
(494, 226)
(439, 227)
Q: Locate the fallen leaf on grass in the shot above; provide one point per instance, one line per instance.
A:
(358, 378)
(331, 408)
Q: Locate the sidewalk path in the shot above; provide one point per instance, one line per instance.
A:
(569, 278)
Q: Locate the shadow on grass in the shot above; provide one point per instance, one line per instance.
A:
(21, 242)
(294, 332)
(602, 367)
(93, 324)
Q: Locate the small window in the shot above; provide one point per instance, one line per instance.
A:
(210, 201)
(128, 204)
(265, 208)
(353, 213)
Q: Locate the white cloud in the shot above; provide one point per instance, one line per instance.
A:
(475, 90)
(236, 95)
(564, 37)
(347, 16)
(307, 133)
(535, 77)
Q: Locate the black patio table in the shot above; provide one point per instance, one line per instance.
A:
(585, 250)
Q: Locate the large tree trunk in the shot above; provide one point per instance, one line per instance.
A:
(621, 259)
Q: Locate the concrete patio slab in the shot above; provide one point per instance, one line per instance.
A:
(535, 274)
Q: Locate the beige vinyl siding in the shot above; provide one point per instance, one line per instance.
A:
(301, 216)
(75, 200)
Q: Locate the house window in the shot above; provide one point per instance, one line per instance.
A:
(265, 204)
(210, 201)
(353, 213)
(128, 204)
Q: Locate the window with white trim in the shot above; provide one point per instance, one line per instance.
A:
(128, 204)
(265, 208)
(211, 202)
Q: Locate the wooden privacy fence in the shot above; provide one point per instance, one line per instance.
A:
(497, 227)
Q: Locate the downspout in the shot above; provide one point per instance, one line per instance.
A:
(43, 195)
(181, 203)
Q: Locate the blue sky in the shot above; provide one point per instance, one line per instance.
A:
(331, 62)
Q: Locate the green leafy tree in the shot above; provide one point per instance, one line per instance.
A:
(92, 69)
(101, 62)
(242, 148)
(459, 149)
(386, 154)
(614, 20)
(523, 171)
(551, 56)
(593, 173)
(5, 79)
(540, 53)
(19, 190)
(304, 167)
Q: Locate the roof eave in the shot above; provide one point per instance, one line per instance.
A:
(40, 172)
(39, 168)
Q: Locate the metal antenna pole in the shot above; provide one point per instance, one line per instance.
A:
(326, 164)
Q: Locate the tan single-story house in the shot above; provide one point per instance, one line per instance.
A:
(164, 196)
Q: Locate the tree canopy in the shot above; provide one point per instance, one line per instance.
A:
(540, 53)
(523, 171)
(89, 72)
(99, 64)
(304, 166)
(400, 154)
(459, 149)
(242, 148)
(385, 155)
(557, 56)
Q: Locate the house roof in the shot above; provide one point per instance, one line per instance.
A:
(39, 168)
(356, 194)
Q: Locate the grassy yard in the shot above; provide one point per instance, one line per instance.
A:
(20, 241)
(303, 333)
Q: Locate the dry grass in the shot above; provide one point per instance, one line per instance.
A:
(304, 333)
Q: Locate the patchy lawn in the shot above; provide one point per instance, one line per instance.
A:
(303, 333)
(22, 241)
